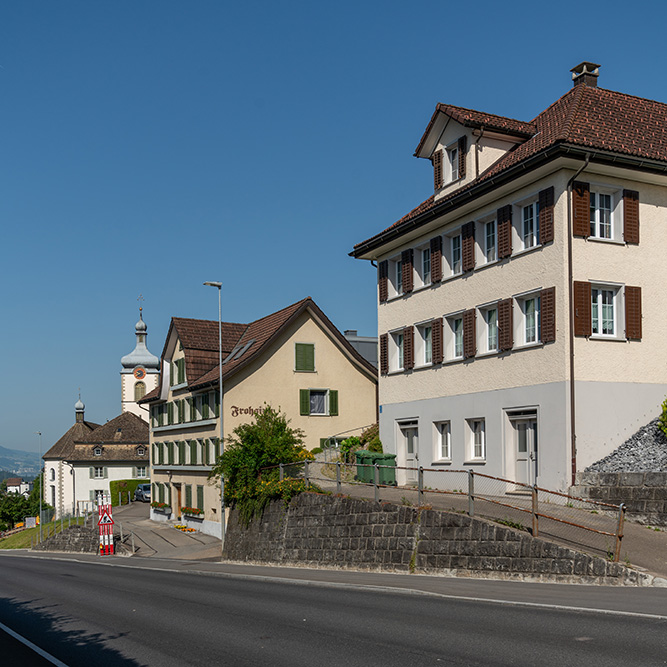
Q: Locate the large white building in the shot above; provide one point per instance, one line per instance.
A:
(521, 313)
(89, 456)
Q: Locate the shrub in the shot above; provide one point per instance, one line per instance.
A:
(663, 417)
(371, 438)
(316, 450)
(348, 447)
(263, 443)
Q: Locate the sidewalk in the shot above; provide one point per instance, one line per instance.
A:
(162, 540)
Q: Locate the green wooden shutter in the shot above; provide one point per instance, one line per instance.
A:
(168, 495)
(92, 495)
(91, 472)
(216, 446)
(181, 371)
(170, 413)
(193, 452)
(134, 472)
(323, 443)
(200, 497)
(304, 357)
(333, 402)
(188, 495)
(105, 471)
(204, 407)
(217, 403)
(304, 401)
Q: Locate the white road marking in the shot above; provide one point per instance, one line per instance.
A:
(30, 645)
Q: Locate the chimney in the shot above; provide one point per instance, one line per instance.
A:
(585, 74)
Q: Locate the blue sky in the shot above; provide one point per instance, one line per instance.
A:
(149, 146)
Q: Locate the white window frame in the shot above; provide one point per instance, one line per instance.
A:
(98, 472)
(488, 331)
(395, 273)
(97, 451)
(489, 252)
(424, 344)
(453, 335)
(476, 428)
(442, 439)
(527, 323)
(423, 265)
(598, 292)
(396, 350)
(529, 236)
(326, 402)
(141, 471)
(451, 163)
(454, 252)
(596, 221)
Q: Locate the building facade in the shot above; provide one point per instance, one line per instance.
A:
(293, 360)
(520, 311)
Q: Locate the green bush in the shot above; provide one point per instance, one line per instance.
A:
(348, 447)
(123, 486)
(663, 417)
(263, 443)
(370, 438)
(316, 450)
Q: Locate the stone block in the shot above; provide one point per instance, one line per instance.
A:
(655, 479)
(609, 478)
(442, 562)
(631, 479)
(642, 493)
(562, 566)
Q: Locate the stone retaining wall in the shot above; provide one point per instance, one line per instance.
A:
(644, 493)
(352, 533)
(82, 539)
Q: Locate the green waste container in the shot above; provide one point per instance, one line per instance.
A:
(388, 474)
(363, 472)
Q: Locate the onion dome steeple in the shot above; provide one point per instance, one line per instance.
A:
(140, 356)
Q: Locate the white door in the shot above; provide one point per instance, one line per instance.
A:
(411, 444)
(525, 443)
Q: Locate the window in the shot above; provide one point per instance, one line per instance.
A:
(424, 265)
(97, 451)
(455, 254)
(322, 402)
(396, 356)
(600, 215)
(398, 278)
(530, 225)
(490, 329)
(490, 241)
(455, 337)
(443, 441)
(424, 344)
(603, 311)
(139, 390)
(304, 357)
(177, 372)
(528, 323)
(98, 472)
(452, 165)
(141, 471)
(477, 439)
(53, 474)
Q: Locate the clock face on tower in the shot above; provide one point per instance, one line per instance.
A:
(139, 373)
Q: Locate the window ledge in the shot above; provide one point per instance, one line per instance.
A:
(525, 251)
(419, 288)
(613, 339)
(398, 371)
(528, 346)
(475, 462)
(298, 371)
(490, 353)
(598, 239)
(166, 467)
(187, 425)
(455, 360)
(176, 387)
(420, 367)
(442, 462)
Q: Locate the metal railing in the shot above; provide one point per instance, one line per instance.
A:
(581, 523)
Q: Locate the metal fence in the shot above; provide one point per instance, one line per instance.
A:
(580, 523)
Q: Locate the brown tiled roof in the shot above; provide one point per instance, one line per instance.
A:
(586, 117)
(14, 481)
(82, 453)
(125, 429)
(63, 447)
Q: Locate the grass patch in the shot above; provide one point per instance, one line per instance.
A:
(22, 540)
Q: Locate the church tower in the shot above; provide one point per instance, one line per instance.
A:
(140, 374)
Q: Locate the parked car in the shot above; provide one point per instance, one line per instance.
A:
(143, 493)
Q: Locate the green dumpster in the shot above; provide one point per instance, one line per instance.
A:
(363, 472)
(387, 474)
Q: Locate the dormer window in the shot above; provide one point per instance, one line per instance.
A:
(141, 451)
(97, 451)
(452, 165)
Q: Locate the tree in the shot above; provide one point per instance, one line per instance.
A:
(266, 441)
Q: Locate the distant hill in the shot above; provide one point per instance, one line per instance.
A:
(19, 463)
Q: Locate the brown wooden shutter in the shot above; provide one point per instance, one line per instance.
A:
(436, 341)
(468, 246)
(548, 315)
(469, 334)
(633, 312)
(384, 354)
(505, 325)
(582, 309)
(505, 231)
(463, 153)
(406, 270)
(408, 348)
(581, 209)
(546, 203)
(383, 273)
(437, 170)
(436, 259)
(631, 216)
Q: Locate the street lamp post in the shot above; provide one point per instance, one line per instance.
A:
(218, 286)
(41, 484)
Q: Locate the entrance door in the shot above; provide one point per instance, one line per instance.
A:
(525, 443)
(177, 510)
(411, 444)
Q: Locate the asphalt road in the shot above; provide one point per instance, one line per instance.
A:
(91, 613)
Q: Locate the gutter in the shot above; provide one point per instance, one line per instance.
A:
(570, 280)
(488, 185)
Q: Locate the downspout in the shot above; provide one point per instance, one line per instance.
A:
(481, 134)
(570, 279)
(377, 384)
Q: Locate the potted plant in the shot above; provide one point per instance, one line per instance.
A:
(163, 508)
(192, 512)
